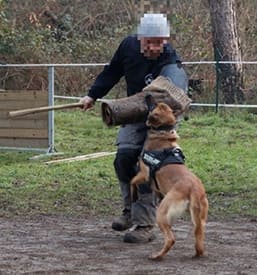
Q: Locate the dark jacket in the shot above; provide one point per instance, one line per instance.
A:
(128, 61)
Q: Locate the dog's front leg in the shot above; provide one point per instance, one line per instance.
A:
(142, 176)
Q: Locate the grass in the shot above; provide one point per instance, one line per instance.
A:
(219, 148)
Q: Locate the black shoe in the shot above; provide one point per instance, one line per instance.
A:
(139, 234)
(122, 223)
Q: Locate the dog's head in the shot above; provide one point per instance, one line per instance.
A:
(160, 114)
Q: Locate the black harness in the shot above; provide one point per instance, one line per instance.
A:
(157, 158)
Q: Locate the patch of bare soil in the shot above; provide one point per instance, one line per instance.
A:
(66, 245)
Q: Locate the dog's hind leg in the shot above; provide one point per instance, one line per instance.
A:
(169, 238)
(170, 208)
(199, 210)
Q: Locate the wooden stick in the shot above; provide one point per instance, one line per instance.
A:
(43, 109)
(83, 157)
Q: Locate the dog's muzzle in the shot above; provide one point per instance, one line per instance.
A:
(149, 100)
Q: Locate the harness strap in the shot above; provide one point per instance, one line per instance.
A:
(155, 159)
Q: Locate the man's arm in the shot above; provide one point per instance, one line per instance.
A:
(104, 82)
(107, 79)
(177, 74)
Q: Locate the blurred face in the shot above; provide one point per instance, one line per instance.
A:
(152, 47)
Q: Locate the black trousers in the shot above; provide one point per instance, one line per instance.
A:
(143, 210)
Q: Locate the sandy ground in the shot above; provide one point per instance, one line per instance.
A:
(66, 245)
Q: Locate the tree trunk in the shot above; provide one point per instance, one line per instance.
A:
(226, 45)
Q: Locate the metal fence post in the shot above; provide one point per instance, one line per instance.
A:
(51, 148)
(217, 87)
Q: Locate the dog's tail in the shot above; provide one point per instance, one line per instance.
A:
(176, 206)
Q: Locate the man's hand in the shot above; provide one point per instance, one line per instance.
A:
(87, 102)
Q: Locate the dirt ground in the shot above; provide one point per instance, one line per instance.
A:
(66, 245)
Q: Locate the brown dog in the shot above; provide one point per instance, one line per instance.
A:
(179, 187)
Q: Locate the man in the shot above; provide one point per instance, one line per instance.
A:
(140, 59)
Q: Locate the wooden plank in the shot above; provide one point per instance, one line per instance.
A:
(24, 143)
(12, 105)
(24, 133)
(25, 95)
(5, 115)
(23, 123)
(16, 100)
(83, 157)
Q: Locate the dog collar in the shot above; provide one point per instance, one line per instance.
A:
(167, 128)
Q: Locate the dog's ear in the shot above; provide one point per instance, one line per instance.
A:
(150, 102)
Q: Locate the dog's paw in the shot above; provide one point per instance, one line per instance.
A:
(133, 182)
(155, 257)
(198, 256)
(137, 180)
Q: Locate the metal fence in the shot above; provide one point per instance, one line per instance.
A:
(52, 96)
